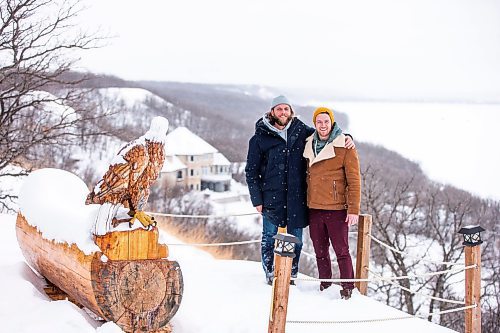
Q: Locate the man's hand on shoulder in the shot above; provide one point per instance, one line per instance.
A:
(349, 142)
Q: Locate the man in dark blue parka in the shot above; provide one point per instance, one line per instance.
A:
(276, 178)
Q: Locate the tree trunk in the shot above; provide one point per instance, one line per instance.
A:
(132, 286)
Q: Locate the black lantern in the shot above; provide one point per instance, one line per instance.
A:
(285, 245)
(472, 235)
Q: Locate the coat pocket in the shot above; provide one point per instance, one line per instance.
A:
(335, 194)
(339, 192)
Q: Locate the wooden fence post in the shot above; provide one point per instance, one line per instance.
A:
(284, 254)
(473, 289)
(472, 240)
(363, 251)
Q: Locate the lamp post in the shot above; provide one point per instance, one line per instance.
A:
(284, 245)
(284, 250)
(472, 235)
(472, 240)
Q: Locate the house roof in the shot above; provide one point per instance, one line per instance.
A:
(182, 141)
(220, 159)
(172, 163)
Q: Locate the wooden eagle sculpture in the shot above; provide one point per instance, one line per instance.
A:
(126, 183)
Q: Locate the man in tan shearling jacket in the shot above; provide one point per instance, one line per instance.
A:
(333, 196)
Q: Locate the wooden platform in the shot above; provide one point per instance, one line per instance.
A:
(130, 283)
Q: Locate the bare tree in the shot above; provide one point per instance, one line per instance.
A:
(427, 216)
(489, 214)
(40, 107)
(446, 211)
(394, 205)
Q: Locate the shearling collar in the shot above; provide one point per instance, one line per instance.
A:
(326, 153)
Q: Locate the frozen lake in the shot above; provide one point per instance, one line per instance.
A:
(457, 144)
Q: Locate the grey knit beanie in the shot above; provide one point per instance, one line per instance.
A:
(280, 100)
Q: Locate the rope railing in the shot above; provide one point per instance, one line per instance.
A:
(414, 276)
(448, 263)
(388, 278)
(310, 279)
(222, 244)
(215, 244)
(416, 292)
(357, 321)
(203, 216)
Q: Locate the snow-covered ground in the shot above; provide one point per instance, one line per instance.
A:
(219, 295)
(453, 143)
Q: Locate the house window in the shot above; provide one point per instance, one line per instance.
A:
(192, 172)
(179, 174)
(191, 186)
(197, 186)
(192, 158)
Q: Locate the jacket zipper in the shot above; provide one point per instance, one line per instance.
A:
(335, 190)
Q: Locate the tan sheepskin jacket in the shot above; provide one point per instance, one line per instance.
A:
(333, 177)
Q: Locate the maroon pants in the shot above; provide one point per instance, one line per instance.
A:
(327, 226)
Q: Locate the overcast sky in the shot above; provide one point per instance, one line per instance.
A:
(418, 49)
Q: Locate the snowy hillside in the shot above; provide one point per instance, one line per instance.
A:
(132, 97)
(135, 107)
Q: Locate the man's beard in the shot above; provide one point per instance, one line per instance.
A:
(278, 121)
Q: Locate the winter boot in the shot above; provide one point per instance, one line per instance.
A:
(324, 285)
(346, 293)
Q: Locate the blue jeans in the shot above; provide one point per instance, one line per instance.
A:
(267, 247)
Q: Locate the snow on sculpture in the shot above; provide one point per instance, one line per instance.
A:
(126, 183)
(122, 276)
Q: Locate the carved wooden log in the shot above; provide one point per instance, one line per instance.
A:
(133, 285)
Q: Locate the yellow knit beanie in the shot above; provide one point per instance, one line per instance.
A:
(322, 109)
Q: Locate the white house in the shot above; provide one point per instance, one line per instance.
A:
(173, 171)
(217, 177)
(192, 162)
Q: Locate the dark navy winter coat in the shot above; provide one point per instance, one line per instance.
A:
(276, 173)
